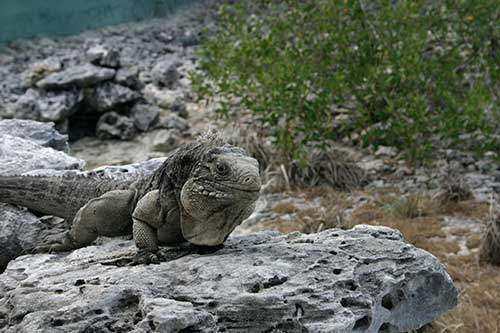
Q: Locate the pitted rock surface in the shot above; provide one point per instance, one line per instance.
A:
(363, 279)
(18, 155)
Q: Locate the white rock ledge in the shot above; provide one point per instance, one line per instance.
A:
(366, 279)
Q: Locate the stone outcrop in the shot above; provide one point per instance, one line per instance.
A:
(363, 279)
(112, 125)
(19, 155)
(145, 116)
(21, 231)
(165, 73)
(46, 106)
(109, 96)
(43, 134)
(72, 81)
(81, 76)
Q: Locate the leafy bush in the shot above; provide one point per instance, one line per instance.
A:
(412, 74)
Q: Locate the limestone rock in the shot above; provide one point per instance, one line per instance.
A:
(81, 76)
(190, 38)
(59, 106)
(26, 106)
(21, 231)
(128, 76)
(111, 125)
(46, 106)
(19, 155)
(164, 98)
(40, 133)
(166, 140)
(145, 116)
(165, 73)
(173, 121)
(179, 108)
(109, 95)
(364, 279)
(385, 151)
(40, 69)
(107, 57)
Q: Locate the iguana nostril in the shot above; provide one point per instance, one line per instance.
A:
(247, 180)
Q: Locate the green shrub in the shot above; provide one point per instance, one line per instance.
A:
(413, 74)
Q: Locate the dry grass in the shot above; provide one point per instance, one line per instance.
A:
(489, 251)
(478, 309)
(310, 220)
(280, 173)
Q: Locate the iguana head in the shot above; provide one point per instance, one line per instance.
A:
(220, 193)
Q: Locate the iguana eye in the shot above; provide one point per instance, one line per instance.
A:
(221, 168)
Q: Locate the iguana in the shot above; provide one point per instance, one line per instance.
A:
(199, 194)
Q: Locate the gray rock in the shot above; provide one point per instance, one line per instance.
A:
(166, 140)
(81, 76)
(128, 76)
(364, 279)
(145, 116)
(165, 73)
(26, 106)
(58, 106)
(190, 38)
(40, 69)
(111, 125)
(486, 166)
(47, 106)
(21, 231)
(164, 98)
(371, 165)
(40, 133)
(384, 151)
(107, 57)
(109, 95)
(179, 107)
(173, 121)
(19, 155)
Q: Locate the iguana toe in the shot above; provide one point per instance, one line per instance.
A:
(145, 258)
(58, 243)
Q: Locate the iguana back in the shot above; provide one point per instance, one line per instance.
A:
(58, 196)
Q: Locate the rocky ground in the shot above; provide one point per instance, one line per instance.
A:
(364, 279)
(122, 95)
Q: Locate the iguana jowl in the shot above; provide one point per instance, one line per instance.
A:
(199, 194)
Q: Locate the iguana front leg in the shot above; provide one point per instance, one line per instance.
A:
(147, 219)
(107, 215)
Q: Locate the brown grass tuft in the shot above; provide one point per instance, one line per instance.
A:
(489, 251)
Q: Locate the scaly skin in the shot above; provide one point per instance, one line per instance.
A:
(199, 194)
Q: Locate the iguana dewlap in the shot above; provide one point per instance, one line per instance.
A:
(199, 194)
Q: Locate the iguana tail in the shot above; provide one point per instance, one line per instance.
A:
(58, 196)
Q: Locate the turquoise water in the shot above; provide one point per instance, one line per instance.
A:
(20, 19)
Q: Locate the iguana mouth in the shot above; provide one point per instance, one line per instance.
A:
(232, 187)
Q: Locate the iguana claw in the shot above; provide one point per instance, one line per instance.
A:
(57, 243)
(145, 258)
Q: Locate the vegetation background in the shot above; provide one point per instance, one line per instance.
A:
(416, 75)
(421, 76)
